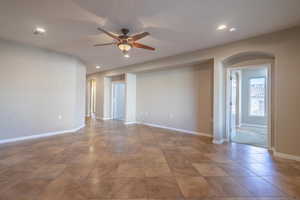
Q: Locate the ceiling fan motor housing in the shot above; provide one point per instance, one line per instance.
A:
(125, 31)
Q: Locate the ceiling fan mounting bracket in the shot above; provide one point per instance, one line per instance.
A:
(125, 31)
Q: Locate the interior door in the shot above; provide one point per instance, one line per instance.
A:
(119, 101)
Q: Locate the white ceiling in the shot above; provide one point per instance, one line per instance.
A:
(175, 26)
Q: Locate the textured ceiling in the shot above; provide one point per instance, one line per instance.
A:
(176, 26)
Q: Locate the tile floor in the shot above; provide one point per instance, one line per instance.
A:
(108, 160)
(256, 136)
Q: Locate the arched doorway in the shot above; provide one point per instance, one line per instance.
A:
(248, 98)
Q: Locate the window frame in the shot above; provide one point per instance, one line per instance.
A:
(249, 96)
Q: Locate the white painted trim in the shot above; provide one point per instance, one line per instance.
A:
(128, 123)
(40, 135)
(269, 108)
(176, 129)
(253, 125)
(272, 149)
(285, 156)
(119, 81)
(111, 96)
(227, 88)
(218, 141)
(106, 118)
(103, 118)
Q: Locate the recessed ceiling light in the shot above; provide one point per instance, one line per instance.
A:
(232, 29)
(222, 27)
(39, 30)
(98, 67)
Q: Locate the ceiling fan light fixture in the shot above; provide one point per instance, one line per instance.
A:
(126, 54)
(124, 47)
(126, 42)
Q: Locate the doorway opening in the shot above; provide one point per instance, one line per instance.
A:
(92, 99)
(118, 101)
(248, 105)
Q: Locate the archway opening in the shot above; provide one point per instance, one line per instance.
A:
(248, 98)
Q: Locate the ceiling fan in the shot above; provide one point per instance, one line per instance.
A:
(125, 42)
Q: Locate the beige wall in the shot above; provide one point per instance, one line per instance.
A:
(178, 97)
(36, 87)
(285, 47)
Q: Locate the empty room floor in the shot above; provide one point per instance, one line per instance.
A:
(108, 160)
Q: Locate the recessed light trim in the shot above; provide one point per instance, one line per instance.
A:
(39, 30)
(98, 67)
(232, 29)
(222, 27)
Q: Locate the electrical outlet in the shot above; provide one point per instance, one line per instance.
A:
(59, 117)
(171, 116)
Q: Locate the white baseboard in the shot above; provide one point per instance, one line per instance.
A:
(128, 123)
(272, 149)
(253, 125)
(175, 129)
(40, 135)
(226, 140)
(104, 118)
(285, 155)
(221, 141)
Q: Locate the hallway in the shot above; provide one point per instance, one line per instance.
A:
(256, 136)
(108, 160)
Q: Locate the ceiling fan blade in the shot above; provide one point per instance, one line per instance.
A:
(104, 44)
(109, 34)
(142, 46)
(139, 36)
